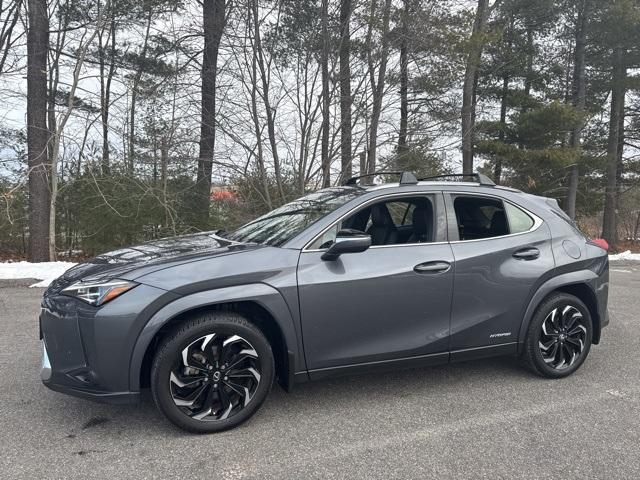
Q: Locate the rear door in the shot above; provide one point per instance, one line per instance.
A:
(502, 253)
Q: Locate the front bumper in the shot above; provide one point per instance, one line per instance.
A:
(46, 374)
(87, 350)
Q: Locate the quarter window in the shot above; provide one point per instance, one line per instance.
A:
(519, 221)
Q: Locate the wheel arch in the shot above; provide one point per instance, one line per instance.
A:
(263, 305)
(574, 283)
(585, 293)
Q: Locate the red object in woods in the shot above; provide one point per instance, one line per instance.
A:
(600, 242)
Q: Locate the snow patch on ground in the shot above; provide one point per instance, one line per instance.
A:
(45, 271)
(627, 255)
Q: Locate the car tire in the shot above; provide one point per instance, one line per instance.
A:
(182, 384)
(550, 351)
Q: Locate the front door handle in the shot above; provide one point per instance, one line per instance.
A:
(530, 253)
(432, 267)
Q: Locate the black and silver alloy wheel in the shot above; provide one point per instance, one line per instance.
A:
(559, 336)
(563, 337)
(212, 372)
(215, 377)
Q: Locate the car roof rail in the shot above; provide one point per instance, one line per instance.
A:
(478, 177)
(406, 178)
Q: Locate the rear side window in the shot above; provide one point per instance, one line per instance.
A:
(480, 217)
(485, 217)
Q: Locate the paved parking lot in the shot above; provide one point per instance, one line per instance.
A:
(485, 419)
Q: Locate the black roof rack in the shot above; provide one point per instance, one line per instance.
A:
(406, 178)
(478, 177)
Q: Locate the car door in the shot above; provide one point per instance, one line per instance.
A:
(387, 303)
(502, 253)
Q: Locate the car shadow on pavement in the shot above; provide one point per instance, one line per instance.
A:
(78, 418)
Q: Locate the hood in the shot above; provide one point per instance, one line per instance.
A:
(132, 262)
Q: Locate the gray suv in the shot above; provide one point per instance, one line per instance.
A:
(345, 280)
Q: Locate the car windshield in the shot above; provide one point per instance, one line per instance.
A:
(280, 225)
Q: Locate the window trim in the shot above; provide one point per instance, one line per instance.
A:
(431, 195)
(537, 221)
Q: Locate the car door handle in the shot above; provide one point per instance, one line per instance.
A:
(432, 267)
(527, 254)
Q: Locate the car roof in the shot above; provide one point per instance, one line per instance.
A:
(409, 179)
(441, 184)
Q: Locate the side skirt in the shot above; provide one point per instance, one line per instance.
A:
(381, 366)
(485, 352)
(410, 362)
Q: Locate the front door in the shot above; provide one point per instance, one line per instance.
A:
(388, 303)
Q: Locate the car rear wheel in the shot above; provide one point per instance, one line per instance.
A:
(212, 373)
(559, 336)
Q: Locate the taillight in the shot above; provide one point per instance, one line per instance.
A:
(599, 242)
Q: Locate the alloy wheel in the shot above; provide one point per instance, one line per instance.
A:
(215, 377)
(563, 337)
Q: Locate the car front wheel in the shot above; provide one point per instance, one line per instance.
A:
(212, 373)
(559, 336)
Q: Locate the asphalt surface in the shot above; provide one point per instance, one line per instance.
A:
(482, 419)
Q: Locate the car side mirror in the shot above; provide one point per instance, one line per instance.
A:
(347, 241)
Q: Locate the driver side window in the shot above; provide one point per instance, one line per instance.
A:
(396, 221)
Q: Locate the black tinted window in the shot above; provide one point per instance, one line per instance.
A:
(389, 222)
(480, 217)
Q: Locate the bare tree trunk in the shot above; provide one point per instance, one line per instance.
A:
(54, 81)
(621, 143)
(404, 87)
(37, 133)
(256, 124)
(504, 96)
(324, 64)
(345, 89)
(578, 100)
(617, 105)
(378, 86)
(60, 126)
(270, 112)
(164, 162)
(12, 15)
(134, 93)
(528, 77)
(213, 14)
(105, 90)
(470, 81)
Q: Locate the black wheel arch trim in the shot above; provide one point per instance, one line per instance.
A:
(564, 283)
(265, 296)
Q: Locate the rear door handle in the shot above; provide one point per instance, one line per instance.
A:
(432, 267)
(530, 253)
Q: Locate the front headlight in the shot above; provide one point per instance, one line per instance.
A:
(98, 292)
